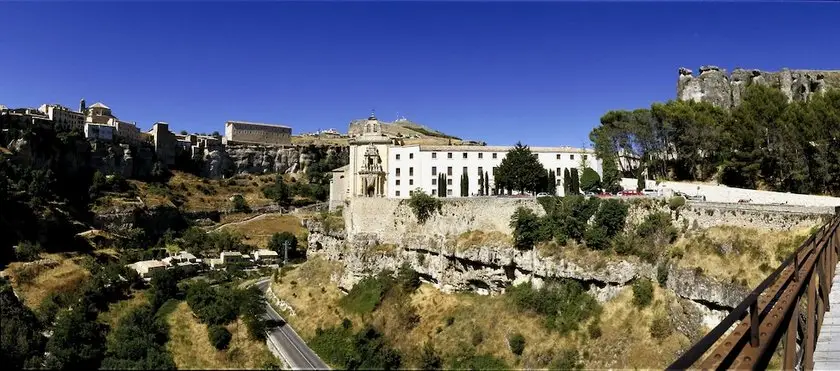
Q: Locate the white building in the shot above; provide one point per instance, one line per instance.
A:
(147, 267)
(63, 117)
(265, 256)
(99, 131)
(380, 168)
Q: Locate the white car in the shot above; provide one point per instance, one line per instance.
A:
(650, 192)
(543, 194)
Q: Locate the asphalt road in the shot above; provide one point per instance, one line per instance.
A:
(286, 340)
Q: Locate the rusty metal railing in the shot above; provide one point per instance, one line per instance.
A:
(787, 307)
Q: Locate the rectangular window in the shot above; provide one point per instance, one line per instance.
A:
(558, 156)
(411, 171)
(410, 156)
(572, 157)
(398, 193)
(434, 170)
(434, 181)
(449, 155)
(480, 170)
(411, 182)
(398, 182)
(585, 157)
(398, 171)
(398, 156)
(464, 171)
(449, 182)
(494, 155)
(480, 155)
(449, 192)
(449, 170)
(434, 154)
(559, 172)
(465, 155)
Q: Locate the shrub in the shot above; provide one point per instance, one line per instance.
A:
(366, 349)
(612, 216)
(566, 359)
(423, 205)
(27, 251)
(590, 181)
(277, 241)
(657, 229)
(219, 336)
(642, 293)
(240, 205)
(660, 328)
(429, 360)
(676, 202)
(596, 238)
(662, 273)
(564, 303)
(594, 329)
(449, 321)
(527, 228)
(477, 337)
(366, 295)
(517, 344)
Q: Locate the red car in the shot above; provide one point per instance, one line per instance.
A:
(630, 193)
(604, 194)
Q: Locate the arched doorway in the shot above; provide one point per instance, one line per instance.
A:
(370, 191)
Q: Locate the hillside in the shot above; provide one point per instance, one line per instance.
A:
(409, 132)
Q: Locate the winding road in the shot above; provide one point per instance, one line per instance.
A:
(291, 347)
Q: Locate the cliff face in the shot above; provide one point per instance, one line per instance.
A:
(716, 86)
(268, 159)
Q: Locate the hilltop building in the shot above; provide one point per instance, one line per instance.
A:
(380, 168)
(241, 132)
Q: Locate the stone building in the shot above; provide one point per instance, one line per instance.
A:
(241, 132)
(380, 168)
(99, 131)
(165, 142)
(63, 117)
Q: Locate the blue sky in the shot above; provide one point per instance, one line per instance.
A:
(542, 73)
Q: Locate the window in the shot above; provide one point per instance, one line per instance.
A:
(494, 155)
(449, 170)
(449, 192)
(572, 157)
(434, 154)
(398, 182)
(449, 182)
(449, 155)
(480, 155)
(410, 156)
(559, 172)
(464, 171)
(434, 181)
(558, 156)
(398, 171)
(465, 155)
(398, 156)
(398, 193)
(480, 170)
(585, 157)
(434, 192)
(411, 171)
(434, 170)
(411, 182)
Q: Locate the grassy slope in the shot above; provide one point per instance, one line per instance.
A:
(65, 275)
(258, 231)
(191, 349)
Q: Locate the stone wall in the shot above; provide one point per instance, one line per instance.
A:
(716, 86)
(258, 159)
(392, 219)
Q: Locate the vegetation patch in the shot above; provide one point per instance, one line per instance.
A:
(563, 303)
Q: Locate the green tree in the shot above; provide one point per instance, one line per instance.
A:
(240, 205)
(640, 179)
(423, 205)
(219, 336)
(642, 293)
(552, 183)
(465, 185)
(567, 182)
(77, 341)
(20, 339)
(520, 170)
(527, 228)
(429, 359)
(278, 192)
(486, 184)
(279, 239)
(590, 181)
(612, 216)
(517, 343)
(575, 186)
(481, 184)
(164, 286)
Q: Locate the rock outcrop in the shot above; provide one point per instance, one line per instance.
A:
(715, 86)
(253, 159)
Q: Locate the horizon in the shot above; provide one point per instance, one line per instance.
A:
(539, 73)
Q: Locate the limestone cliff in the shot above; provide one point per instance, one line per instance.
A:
(255, 159)
(716, 86)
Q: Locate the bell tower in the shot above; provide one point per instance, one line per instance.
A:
(82, 105)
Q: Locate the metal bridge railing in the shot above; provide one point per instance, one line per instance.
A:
(787, 307)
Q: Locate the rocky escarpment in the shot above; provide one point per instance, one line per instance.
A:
(254, 159)
(716, 86)
(491, 267)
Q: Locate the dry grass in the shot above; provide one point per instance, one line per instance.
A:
(742, 254)
(117, 310)
(191, 349)
(258, 231)
(198, 194)
(43, 280)
(302, 289)
(473, 239)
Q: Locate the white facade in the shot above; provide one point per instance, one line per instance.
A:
(63, 117)
(99, 131)
(380, 168)
(413, 167)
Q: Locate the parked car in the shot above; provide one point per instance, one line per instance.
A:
(650, 192)
(604, 194)
(589, 194)
(543, 194)
(628, 192)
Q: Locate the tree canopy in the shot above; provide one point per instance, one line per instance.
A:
(521, 170)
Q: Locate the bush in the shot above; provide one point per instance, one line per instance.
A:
(596, 238)
(240, 205)
(564, 303)
(27, 251)
(366, 349)
(642, 293)
(277, 241)
(662, 273)
(660, 328)
(566, 359)
(449, 321)
(594, 330)
(590, 181)
(527, 228)
(219, 336)
(477, 337)
(676, 202)
(423, 205)
(517, 344)
(366, 295)
(612, 216)
(429, 360)
(657, 229)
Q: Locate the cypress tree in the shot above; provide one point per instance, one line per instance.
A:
(465, 185)
(575, 187)
(567, 182)
(480, 183)
(552, 183)
(486, 184)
